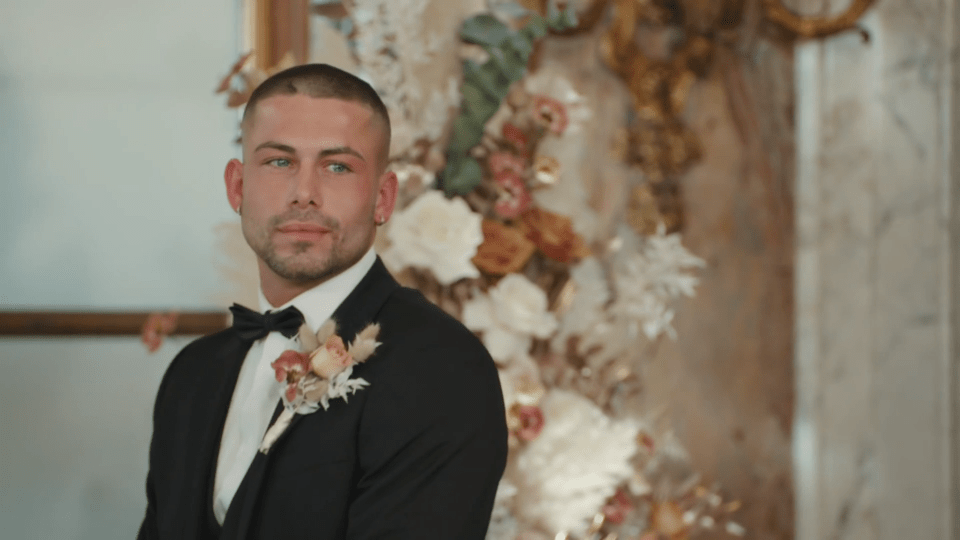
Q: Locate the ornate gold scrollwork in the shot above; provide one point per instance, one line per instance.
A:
(814, 27)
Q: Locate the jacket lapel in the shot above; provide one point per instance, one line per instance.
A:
(225, 368)
(357, 310)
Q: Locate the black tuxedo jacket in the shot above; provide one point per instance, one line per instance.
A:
(416, 455)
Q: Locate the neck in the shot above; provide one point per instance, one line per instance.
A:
(279, 291)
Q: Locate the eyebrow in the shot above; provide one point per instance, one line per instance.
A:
(323, 153)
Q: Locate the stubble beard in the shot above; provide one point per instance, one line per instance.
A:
(301, 268)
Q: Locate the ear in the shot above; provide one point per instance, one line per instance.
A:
(233, 178)
(386, 196)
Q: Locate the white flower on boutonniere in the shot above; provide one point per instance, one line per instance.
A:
(438, 234)
(510, 316)
(323, 373)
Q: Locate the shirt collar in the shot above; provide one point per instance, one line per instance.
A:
(319, 303)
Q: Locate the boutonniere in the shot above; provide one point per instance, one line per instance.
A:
(322, 373)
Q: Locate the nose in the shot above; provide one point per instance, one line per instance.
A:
(305, 191)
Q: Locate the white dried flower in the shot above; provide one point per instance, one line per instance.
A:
(393, 49)
(652, 277)
(565, 475)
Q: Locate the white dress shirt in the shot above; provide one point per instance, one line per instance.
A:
(257, 392)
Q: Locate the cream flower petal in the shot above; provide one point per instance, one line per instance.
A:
(478, 314)
(504, 346)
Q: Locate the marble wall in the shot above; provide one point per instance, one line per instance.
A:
(875, 434)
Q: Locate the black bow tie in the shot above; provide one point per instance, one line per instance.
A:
(251, 325)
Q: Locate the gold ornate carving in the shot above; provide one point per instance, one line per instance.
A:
(815, 27)
(660, 48)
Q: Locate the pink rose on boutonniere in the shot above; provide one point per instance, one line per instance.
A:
(331, 358)
(290, 367)
(315, 377)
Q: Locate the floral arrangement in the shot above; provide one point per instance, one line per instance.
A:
(493, 224)
(322, 373)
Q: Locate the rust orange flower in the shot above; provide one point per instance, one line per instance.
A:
(553, 234)
(504, 249)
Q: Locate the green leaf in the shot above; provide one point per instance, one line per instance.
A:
(535, 29)
(519, 44)
(485, 30)
(466, 133)
(486, 77)
(509, 68)
(565, 20)
(552, 12)
(477, 104)
(462, 176)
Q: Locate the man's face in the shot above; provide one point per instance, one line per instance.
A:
(310, 187)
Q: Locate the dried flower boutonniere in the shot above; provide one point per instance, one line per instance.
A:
(314, 378)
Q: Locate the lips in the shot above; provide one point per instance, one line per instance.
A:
(305, 231)
(302, 227)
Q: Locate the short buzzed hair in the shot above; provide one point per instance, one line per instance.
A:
(319, 81)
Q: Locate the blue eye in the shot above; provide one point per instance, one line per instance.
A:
(338, 168)
(279, 162)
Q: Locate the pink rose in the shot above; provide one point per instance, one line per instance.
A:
(617, 507)
(531, 422)
(291, 366)
(514, 198)
(516, 137)
(550, 113)
(331, 358)
(500, 162)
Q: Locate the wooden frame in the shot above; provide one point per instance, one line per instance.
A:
(102, 323)
(274, 28)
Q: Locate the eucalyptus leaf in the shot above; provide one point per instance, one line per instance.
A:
(478, 105)
(565, 20)
(519, 44)
(462, 176)
(485, 30)
(509, 68)
(466, 133)
(487, 78)
(553, 13)
(535, 29)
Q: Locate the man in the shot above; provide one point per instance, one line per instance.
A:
(419, 452)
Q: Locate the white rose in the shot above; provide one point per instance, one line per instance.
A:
(522, 306)
(511, 314)
(437, 234)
